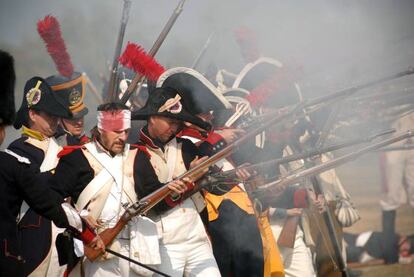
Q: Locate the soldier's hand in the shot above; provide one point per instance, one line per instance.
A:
(97, 244)
(198, 161)
(179, 186)
(318, 201)
(242, 173)
(294, 212)
(230, 135)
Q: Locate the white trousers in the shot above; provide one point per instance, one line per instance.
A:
(398, 170)
(297, 261)
(111, 267)
(185, 248)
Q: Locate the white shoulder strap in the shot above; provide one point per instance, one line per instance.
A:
(102, 182)
(171, 157)
(108, 163)
(99, 188)
(51, 160)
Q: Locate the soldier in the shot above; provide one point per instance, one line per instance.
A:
(184, 245)
(238, 253)
(270, 87)
(38, 117)
(100, 177)
(371, 245)
(264, 82)
(396, 171)
(72, 92)
(19, 182)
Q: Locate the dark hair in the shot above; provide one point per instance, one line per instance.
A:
(112, 106)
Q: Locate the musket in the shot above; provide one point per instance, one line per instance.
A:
(113, 80)
(397, 148)
(230, 175)
(93, 88)
(379, 96)
(203, 50)
(138, 79)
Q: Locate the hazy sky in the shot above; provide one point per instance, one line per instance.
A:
(334, 42)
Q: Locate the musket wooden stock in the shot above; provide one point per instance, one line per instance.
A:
(107, 237)
(288, 234)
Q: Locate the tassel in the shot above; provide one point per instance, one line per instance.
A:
(135, 58)
(49, 30)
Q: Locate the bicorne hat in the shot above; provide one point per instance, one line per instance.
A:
(39, 96)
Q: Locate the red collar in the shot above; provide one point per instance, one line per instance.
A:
(147, 140)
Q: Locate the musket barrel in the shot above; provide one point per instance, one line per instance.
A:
(280, 184)
(154, 49)
(299, 156)
(112, 87)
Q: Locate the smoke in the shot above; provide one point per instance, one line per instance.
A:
(336, 44)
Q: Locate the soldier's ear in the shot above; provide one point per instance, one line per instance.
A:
(151, 119)
(32, 116)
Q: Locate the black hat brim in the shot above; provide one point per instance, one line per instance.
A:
(144, 113)
(80, 114)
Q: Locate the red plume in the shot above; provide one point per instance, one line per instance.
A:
(135, 58)
(49, 30)
(262, 92)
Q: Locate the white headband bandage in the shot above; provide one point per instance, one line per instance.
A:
(118, 120)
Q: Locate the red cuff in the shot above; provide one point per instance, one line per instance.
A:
(213, 138)
(300, 199)
(172, 202)
(87, 235)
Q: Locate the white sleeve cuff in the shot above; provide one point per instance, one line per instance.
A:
(72, 216)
